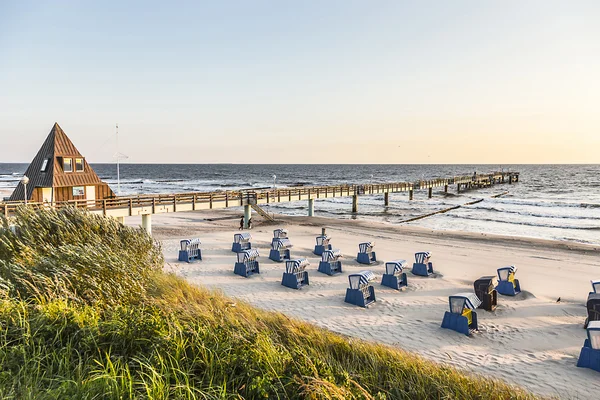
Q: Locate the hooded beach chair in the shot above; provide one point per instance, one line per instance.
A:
(507, 284)
(330, 263)
(422, 265)
(589, 357)
(247, 263)
(593, 303)
(360, 292)
(366, 255)
(394, 276)
(189, 250)
(280, 250)
(485, 289)
(241, 241)
(295, 275)
(461, 317)
(322, 245)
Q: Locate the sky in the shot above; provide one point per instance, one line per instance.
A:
(345, 81)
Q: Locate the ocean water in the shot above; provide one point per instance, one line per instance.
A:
(560, 202)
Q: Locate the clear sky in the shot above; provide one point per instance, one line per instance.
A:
(304, 81)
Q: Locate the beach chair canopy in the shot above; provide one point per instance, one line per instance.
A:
(281, 244)
(247, 255)
(460, 301)
(321, 240)
(187, 244)
(504, 272)
(331, 255)
(242, 237)
(360, 279)
(280, 233)
(293, 266)
(393, 267)
(596, 286)
(422, 256)
(593, 332)
(366, 247)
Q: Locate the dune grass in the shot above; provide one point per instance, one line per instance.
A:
(86, 313)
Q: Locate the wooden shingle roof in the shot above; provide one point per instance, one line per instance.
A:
(56, 147)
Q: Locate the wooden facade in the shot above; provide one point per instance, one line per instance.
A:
(60, 173)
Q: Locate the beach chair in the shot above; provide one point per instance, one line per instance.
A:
(589, 357)
(593, 304)
(330, 263)
(322, 245)
(247, 263)
(366, 255)
(485, 289)
(360, 292)
(507, 284)
(595, 286)
(295, 275)
(280, 250)
(241, 241)
(280, 233)
(461, 317)
(394, 276)
(189, 250)
(422, 265)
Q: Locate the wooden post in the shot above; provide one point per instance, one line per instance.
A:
(355, 203)
(430, 194)
(446, 188)
(510, 179)
(103, 207)
(130, 206)
(386, 199)
(154, 205)
(410, 194)
(458, 188)
(226, 199)
(174, 203)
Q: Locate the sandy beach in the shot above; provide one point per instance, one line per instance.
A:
(530, 340)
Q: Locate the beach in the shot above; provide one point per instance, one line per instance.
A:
(530, 340)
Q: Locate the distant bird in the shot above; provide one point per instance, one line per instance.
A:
(558, 300)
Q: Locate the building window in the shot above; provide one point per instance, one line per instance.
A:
(79, 165)
(78, 191)
(68, 164)
(44, 165)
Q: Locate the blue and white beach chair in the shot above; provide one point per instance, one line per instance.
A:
(241, 241)
(360, 292)
(595, 286)
(366, 255)
(394, 276)
(280, 250)
(330, 263)
(322, 245)
(462, 318)
(295, 275)
(589, 357)
(189, 250)
(247, 263)
(422, 265)
(507, 284)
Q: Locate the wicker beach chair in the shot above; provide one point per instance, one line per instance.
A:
(247, 263)
(422, 265)
(360, 292)
(241, 241)
(189, 250)
(330, 263)
(366, 255)
(394, 276)
(507, 284)
(461, 317)
(295, 275)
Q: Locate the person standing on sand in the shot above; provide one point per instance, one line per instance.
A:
(242, 223)
(250, 223)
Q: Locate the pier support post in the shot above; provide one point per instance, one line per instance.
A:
(147, 223)
(510, 179)
(355, 203)
(445, 188)
(410, 194)
(311, 207)
(430, 193)
(121, 220)
(386, 199)
(458, 188)
(247, 215)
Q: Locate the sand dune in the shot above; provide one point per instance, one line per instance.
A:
(530, 340)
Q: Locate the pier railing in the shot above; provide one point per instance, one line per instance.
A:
(234, 198)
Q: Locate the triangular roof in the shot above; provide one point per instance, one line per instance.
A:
(56, 146)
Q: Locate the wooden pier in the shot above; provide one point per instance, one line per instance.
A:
(146, 205)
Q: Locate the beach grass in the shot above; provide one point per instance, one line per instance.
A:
(86, 313)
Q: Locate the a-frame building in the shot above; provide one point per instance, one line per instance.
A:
(60, 173)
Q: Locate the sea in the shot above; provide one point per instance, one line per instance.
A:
(559, 202)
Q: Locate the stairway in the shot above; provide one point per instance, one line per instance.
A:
(262, 213)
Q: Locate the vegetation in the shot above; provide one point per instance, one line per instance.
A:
(86, 313)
